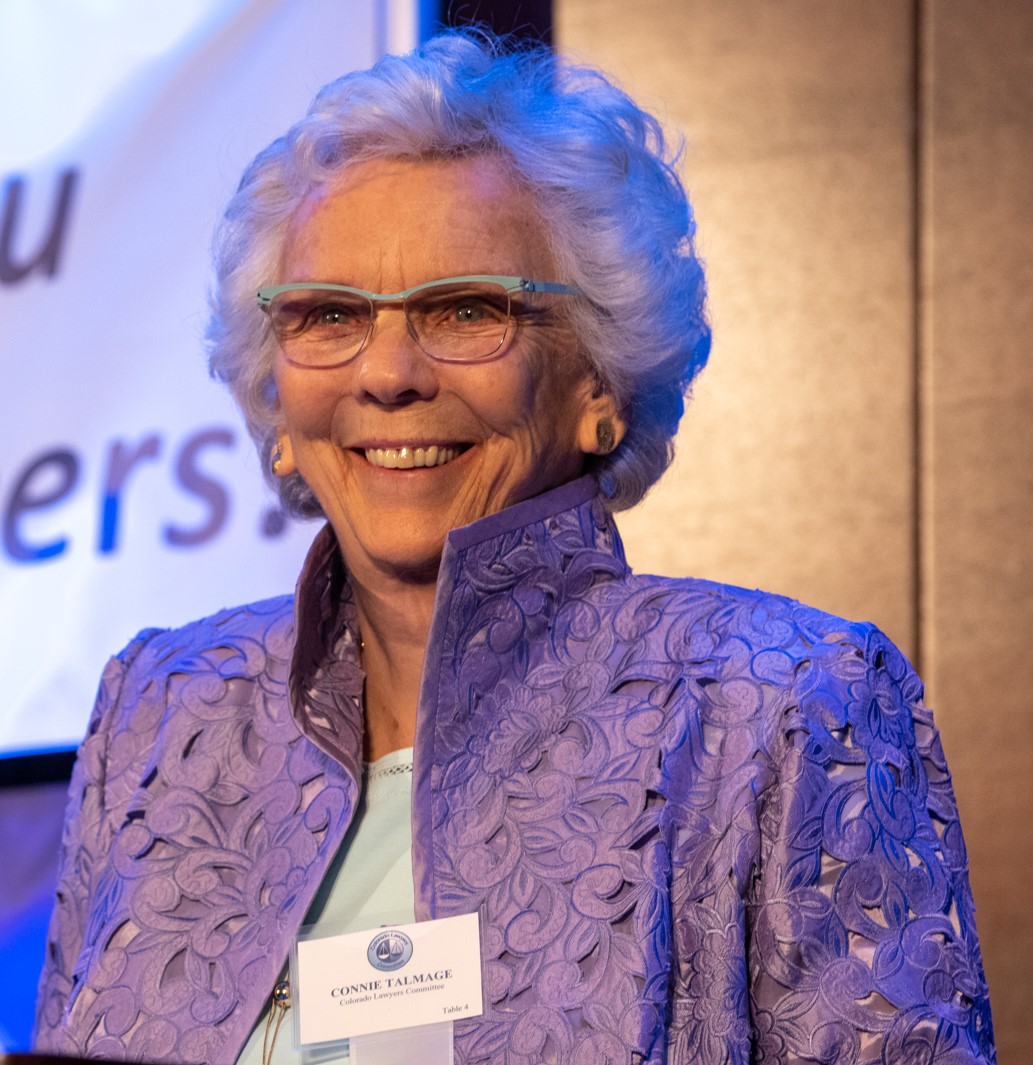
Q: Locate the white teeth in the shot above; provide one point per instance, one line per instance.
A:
(407, 458)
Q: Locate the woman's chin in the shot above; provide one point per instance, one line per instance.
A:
(401, 545)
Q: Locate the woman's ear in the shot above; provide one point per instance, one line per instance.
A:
(281, 458)
(601, 428)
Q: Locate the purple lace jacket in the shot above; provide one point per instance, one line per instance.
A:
(700, 824)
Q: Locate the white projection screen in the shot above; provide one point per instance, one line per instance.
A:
(130, 494)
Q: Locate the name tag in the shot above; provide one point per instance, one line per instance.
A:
(384, 979)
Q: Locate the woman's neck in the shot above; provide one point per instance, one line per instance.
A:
(394, 624)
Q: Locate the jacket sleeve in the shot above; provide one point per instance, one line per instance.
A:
(862, 942)
(85, 842)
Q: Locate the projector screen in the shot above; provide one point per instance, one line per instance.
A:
(130, 494)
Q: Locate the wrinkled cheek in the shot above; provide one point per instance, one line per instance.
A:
(522, 468)
(309, 401)
(323, 468)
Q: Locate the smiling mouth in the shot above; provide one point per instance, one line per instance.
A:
(410, 458)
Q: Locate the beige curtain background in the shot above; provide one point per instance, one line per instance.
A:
(863, 439)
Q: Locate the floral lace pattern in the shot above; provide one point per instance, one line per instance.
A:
(700, 824)
(199, 826)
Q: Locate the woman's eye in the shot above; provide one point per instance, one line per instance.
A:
(333, 316)
(470, 311)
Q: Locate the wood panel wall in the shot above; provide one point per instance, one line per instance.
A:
(977, 477)
(863, 438)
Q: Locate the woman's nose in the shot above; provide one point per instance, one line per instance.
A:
(392, 368)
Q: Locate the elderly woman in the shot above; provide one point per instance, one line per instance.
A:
(697, 823)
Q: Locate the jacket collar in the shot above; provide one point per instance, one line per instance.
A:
(326, 679)
(501, 583)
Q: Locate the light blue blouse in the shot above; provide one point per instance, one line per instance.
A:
(369, 884)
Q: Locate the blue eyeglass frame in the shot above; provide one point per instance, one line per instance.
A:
(267, 293)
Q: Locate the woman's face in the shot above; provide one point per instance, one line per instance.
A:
(513, 426)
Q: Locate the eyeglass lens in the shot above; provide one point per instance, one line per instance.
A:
(453, 321)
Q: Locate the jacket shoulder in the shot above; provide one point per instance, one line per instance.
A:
(268, 622)
(196, 662)
(797, 667)
(750, 612)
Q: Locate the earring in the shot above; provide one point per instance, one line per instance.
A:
(276, 459)
(605, 437)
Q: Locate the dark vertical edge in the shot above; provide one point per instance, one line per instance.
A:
(530, 19)
(919, 296)
(431, 16)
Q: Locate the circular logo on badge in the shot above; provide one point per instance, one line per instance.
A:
(389, 950)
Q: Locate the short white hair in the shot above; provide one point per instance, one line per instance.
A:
(618, 219)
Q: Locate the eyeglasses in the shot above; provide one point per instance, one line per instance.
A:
(455, 319)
